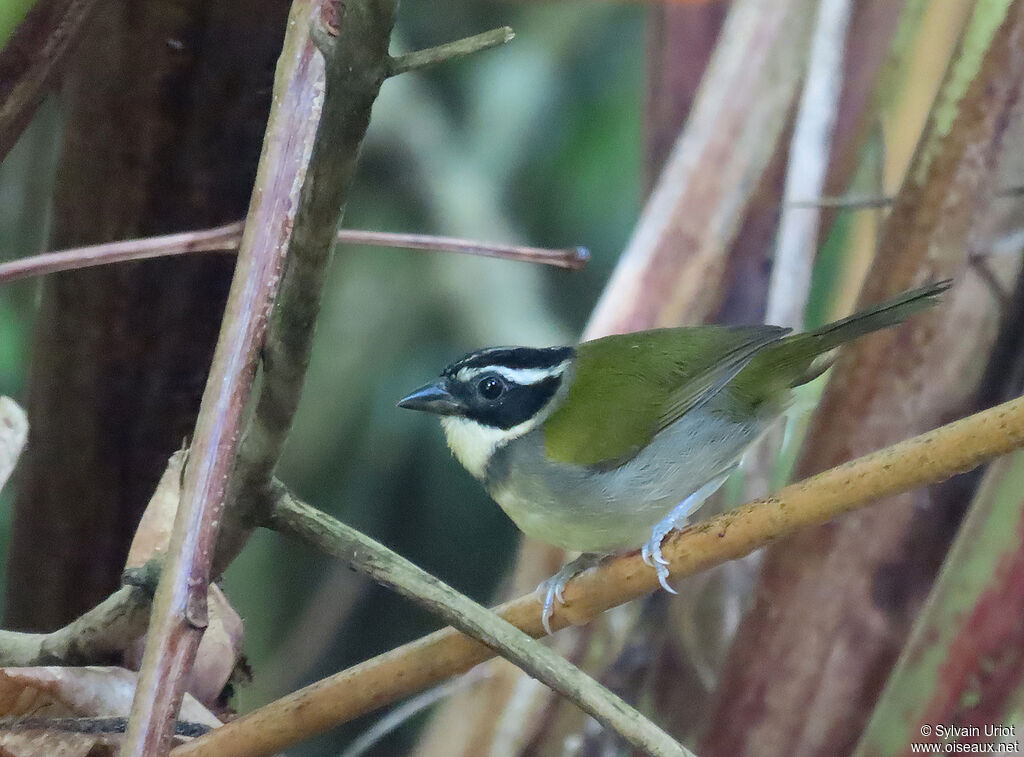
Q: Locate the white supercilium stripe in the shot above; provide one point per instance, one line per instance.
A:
(520, 376)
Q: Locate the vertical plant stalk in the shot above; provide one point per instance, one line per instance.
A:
(797, 243)
(179, 609)
(353, 38)
(809, 154)
(964, 660)
(833, 604)
(681, 38)
(670, 271)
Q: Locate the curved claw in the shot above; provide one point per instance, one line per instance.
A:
(553, 590)
(651, 551)
(549, 609)
(645, 554)
(662, 572)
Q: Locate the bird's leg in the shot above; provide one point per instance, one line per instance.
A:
(551, 590)
(651, 551)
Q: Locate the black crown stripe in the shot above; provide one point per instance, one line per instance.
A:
(512, 357)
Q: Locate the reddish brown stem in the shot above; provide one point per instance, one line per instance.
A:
(226, 238)
(179, 608)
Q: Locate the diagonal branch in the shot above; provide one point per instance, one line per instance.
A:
(179, 608)
(93, 638)
(925, 459)
(390, 569)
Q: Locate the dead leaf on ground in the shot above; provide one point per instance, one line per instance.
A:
(54, 692)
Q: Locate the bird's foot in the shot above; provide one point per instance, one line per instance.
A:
(677, 518)
(551, 590)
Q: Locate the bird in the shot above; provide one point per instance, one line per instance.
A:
(608, 445)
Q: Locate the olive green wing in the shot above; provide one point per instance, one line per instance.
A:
(627, 388)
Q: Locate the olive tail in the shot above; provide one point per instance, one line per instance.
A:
(880, 316)
(800, 358)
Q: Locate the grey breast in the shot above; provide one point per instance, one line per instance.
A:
(590, 510)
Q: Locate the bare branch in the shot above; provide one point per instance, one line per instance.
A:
(222, 238)
(573, 258)
(354, 45)
(226, 239)
(95, 637)
(314, 527)
(450, 50)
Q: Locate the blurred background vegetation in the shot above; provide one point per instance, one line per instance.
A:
(552, 140)
(537, 142)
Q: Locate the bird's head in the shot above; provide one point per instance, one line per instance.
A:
(490, 397)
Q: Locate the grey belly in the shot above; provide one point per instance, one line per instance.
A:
(589, 510)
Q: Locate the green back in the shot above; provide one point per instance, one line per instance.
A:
(627, 388)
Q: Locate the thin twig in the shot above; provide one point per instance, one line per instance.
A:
(320, 530)
(179, 613)
(873, 202)
(573, 258)
(809, 153)
(226, 239)
(450, 50)
(926, 459)
(222, 238)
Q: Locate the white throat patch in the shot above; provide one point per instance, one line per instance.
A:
(473, 443)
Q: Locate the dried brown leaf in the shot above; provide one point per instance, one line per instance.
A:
(13, 433)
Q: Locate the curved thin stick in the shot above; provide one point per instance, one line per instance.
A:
(226, 238)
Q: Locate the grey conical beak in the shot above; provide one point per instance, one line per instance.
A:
(432, 398)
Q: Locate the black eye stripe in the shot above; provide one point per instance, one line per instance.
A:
(516, 404)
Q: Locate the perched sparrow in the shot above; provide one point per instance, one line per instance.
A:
(609, 445)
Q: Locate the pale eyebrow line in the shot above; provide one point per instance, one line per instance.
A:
(521, 376)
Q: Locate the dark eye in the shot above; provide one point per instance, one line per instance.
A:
(490, 388)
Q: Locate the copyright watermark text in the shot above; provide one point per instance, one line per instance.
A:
(950, 739)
